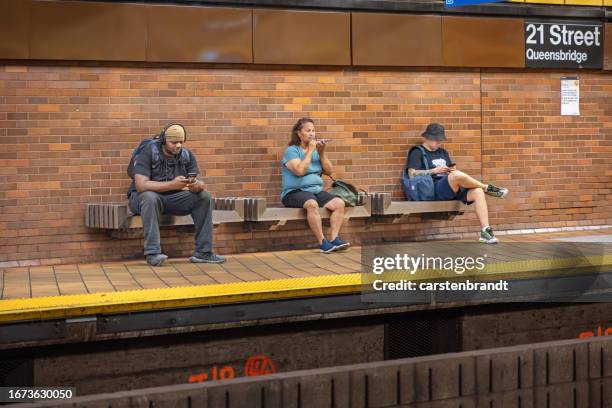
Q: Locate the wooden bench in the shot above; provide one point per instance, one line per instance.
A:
(116, 216)
(382, 204)
(256, 209)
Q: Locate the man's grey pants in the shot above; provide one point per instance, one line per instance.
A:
(152, 205)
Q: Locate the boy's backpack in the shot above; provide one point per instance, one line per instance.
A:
(418, 188)
(185, 157)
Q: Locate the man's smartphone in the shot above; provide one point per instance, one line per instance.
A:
(191, 178)
(452, 165)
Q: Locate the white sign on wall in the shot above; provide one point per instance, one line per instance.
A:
(570, 96)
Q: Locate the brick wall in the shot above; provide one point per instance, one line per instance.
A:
(67, 133)
(558, 167)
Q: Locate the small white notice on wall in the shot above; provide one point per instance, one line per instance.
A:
(570, 96)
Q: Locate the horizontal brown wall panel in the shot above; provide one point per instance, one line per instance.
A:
(14, 29)
(301, 37)
(200, 34)
(88, 31)
(396, 40)
(608, 47)
(483, 42)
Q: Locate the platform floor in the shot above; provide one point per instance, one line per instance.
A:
(40, 281)
(255, 276)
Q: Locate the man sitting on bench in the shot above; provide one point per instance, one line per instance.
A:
(165, 183)
(450, 183)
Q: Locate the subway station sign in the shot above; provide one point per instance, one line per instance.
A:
(563, 45)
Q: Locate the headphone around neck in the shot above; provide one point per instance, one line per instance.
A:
(162, 135)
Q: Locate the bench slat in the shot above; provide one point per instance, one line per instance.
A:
(98, 217)
(115, 217)
(107, 210)
(88, 216)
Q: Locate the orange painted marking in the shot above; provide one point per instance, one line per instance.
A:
(599, 333)
(259, 365)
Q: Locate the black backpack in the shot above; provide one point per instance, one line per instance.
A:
(185, 157)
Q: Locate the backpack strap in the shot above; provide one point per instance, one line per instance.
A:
(185, 158)
(425, 163)
(154, 153)
(424, 158)
(357, 188)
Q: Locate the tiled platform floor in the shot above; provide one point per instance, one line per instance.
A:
(40, 281)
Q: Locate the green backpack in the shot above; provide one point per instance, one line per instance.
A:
(346, 191)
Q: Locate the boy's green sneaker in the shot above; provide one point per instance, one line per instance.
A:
(499, 192)
(487, 236)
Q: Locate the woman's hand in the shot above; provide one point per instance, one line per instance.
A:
(321, 147)
(312, 145)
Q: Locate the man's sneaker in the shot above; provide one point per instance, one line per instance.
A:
(156, 259)
(487, 236)
(327, 247)
(340, 244)
(207, 257)
(499, 192)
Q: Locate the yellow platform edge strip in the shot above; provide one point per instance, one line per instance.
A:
(177, 297)
(202, 295)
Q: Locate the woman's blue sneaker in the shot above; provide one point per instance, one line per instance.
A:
(340, 244)
(327, 247)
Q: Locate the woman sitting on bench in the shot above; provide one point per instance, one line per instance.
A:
(450, 183)
(303, 163)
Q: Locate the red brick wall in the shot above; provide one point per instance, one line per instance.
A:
(67, 133)
(558, 167)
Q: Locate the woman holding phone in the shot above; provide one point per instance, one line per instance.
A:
(303, 163)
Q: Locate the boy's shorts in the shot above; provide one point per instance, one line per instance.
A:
(444, 191)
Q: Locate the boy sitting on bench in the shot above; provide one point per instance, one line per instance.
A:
(450, 183)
